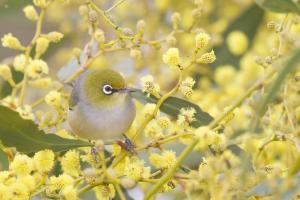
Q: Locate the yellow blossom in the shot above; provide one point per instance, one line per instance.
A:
(135, 54)
(4, 192)
(186, 86)
(148, 109)
(20, 62)
(18, 191)
(65, 134)
(163, 122)
(135, 169)
(116, 149)
(21, 165)
(12, 42)
(56, 184)
(36, 68)
(42, 45)
(91, 175)
(53, 98)
(224, 75)
(44, 160)
(208, 138)
(54, 36)
(207, 58)
(30, 13)
(166, 160)
(69, 193)
(202, 40)
(4, 176)
(171, 57)
(105, 192)
(237, 42)
(70, 163)
(186, 116)
(153, 130)
(149, 85)
(5, 72)
(99, 36)
(28, 181)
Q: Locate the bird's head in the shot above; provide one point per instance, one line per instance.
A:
(104, 87)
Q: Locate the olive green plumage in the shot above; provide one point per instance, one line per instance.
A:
(100, 105)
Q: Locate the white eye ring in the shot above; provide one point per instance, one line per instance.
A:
(107, 89)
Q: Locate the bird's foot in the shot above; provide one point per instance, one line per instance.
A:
(127, 145)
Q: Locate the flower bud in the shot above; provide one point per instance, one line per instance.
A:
(99, 36)
(135, 54)
(5, 72)
(93, 16)
(140, 26)
(12, 42)
(202, 40)
(54, 36)
(171, 57)
(19, 62)
(237, 42)
(30, 13)
(127, 183)
(207, 58)
(42, 45)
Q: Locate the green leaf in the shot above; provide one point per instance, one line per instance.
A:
(26, 137)
(281, 6)
(292, 62)
(4, 163)
(172, 106)
(248, 22)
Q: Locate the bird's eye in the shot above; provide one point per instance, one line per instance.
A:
(107, 89)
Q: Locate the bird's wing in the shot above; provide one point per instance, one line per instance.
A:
(74, 98)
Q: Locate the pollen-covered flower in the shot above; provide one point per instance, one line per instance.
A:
(148, 109)
(44, 160)
(19, 62)
(237, 42)
(30, 13)
(53, 98)
(135, 169)
(70, 163)
(153, 130)
(210, 138)
(28, 181)
(5, 72)
(56, 184)
(42, 45)
(70, 193)
(36, 68)
(12, 42)
(186, 116)
(4, 192)
(186, 86)
(54, 36)
(166, 160)
(105, 192)
(18, 191)
(21, 165)
(202, 40)
(149, 85)
(207, 58)
(163, 122)
(225, 74)
(171, 57)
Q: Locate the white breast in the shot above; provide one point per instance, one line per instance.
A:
(106, 124)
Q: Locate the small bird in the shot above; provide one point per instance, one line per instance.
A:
(100, 105)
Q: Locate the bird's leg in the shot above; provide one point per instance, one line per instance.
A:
(127, 144)
(94, 152)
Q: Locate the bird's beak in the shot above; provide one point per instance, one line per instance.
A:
(128, 90)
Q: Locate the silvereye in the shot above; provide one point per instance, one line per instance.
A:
(100, 105)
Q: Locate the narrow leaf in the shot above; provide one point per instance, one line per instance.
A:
(172, 106)
(281, 6)
(4, 163)
(285, 70)
(26, 137)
